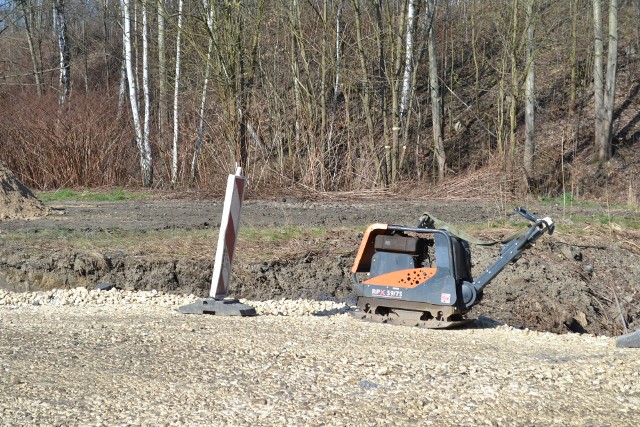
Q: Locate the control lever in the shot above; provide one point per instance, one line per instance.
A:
(541, 222)
(531, 217)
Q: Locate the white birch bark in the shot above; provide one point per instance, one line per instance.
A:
(145, 164)
(146, 144)
(407, 80)
(60, 27)
(203, 98)
(122, 90)
(336, 84)
(174, 160)
(408, 59)
(162, 75)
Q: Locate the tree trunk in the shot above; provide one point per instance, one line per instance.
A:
(60, 27)
(203, 98)
(323, 74)
(145, 157)
(407, 77)
(408, 59)
(637, 5)
(365, 86)
(474, 51)
(396, 127)
(105, 43)
(530, 100)
(295, 69)
(336, 84)
(574, 57)
(436, 97)
(605, 150)
(27, 10)
(383, 80)
(515, 87)
(163, 114)
(176, 92)
(146, 144)
(598, 77)
(122, 90)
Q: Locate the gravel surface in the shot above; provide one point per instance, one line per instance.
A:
(78, 357)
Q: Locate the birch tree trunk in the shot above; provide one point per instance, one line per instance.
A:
(436, 97)
(407, 76)
(396, 127)
(146, 144)
(605, 150)
(60, 27)
(145, 156)
(336, 84)
(162, 75)
(598, 75)
(530, 100)
(122, 90)
(203, 98)
(176, 121)
(408, 59)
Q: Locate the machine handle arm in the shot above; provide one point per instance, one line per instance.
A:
(509, 252)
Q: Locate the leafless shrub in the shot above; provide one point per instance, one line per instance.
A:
(81, 144)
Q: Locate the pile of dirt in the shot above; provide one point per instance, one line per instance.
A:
(16, 200)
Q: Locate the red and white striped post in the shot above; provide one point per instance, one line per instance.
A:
(217, 303)
(228, 235)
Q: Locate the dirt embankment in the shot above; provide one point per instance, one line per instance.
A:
(16, 200)
(568, 282)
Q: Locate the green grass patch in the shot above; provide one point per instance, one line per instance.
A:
(255, 244)
(566, 199)
(628, 223)
(280, 234)
(67, 194)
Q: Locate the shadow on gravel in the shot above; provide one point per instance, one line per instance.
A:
(483, 322)
(331, 312)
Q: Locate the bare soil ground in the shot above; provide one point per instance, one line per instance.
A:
(584, 278)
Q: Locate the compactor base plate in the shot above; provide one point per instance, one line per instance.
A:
(409, 314)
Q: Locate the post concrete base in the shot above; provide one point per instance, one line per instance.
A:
(225, 307)
(630, 340)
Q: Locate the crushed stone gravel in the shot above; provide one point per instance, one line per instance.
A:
(108, 358)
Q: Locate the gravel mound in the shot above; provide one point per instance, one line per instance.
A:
(81, 297)
(67, 359)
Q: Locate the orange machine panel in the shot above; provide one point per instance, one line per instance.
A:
(409, 278)
(362, 263)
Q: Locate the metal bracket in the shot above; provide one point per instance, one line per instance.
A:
(225, 307)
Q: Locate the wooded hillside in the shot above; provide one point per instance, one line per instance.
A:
(536, 96)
